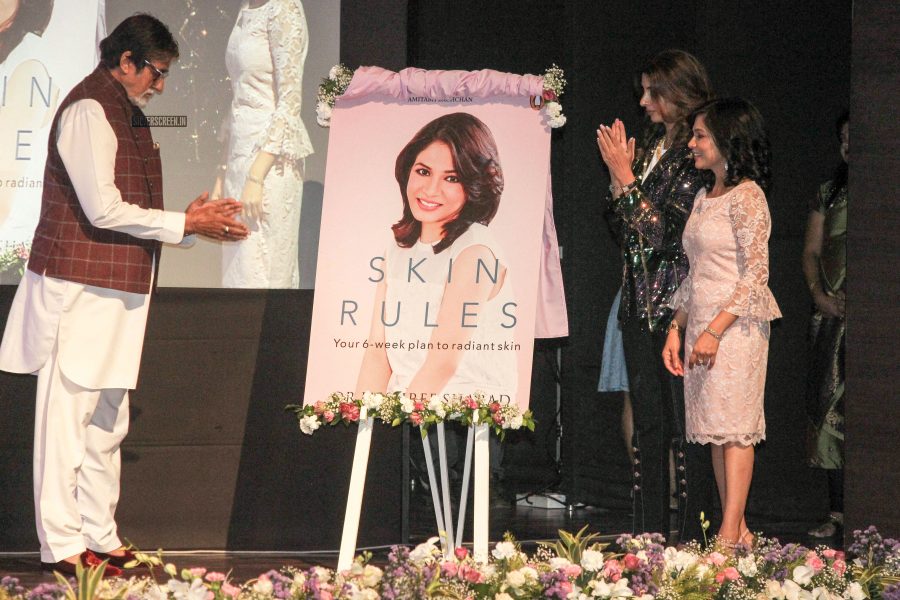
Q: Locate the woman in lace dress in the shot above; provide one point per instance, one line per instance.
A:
(725, 305)
(266, 143)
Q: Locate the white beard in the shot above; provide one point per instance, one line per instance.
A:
(142, 100)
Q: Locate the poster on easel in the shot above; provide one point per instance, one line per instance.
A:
(432, 237)
(45, 49)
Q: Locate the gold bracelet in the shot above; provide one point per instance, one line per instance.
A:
(673, 326)
(713, 333)
(627, 189)
(254, 179)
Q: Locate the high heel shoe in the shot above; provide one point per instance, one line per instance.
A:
(747, 539)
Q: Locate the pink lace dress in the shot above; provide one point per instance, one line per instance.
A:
(727, 243)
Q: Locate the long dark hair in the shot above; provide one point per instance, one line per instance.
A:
(477, 165)
(679, 78)
(739, 132)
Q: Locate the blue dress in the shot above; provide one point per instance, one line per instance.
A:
(613, 376)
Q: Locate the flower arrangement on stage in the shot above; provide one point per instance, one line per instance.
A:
(397, 408)
(13, 257)
(554, 84)
(575, 567)
(331, 87)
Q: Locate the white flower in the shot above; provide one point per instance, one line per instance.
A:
(182, 590)
(406, 405)
(504, 550)
(371, 575)
(702, 569)
(365, 594)
(553, 109)
(802, 574)
(854, 591)
(322, 574)
(746, 566)
(514, 422)
(603, 589)
(592, 560)
(516, 578)
(334, 72)
(678, 560)
(323, 114)
(792, 591)
(425, 552)
(373, 401)
(503, 596)
(309, 423)
(155, 592)
(557, 122)
(298, 583)
(529, 572)
(263, 586)
(773, 590)
(437, 406)
(558, 562)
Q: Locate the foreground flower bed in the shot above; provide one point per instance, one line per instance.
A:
(573, 567)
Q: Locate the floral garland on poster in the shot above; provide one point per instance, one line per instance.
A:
(576, 567)
(397, 408)
(339, 78)
(13, 257)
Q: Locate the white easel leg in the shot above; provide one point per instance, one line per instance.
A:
(464, 495)
(445, 489)
(435, 499)
(355, 495)
(482, 491)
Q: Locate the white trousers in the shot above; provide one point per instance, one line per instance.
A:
(77, 433)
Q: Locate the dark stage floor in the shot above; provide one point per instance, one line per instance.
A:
(528, 524)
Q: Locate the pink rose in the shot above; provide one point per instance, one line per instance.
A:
(450, 569)
(350, 411)
(418, 405)
(470, 574)
(549, 95)
(814, 562)
(565, 587)
(829, 552)
(325, 595)
(572, 570)
(214, 576)
(197, 572)
(716, 558)
(631, 561)
(495, 406)
(497, 418)
(471, 403)
(612, 570)
(840, 567)
(319, 407)
(461, 553)
(230, 590)
(839, 555)
(729, 574)
(329, 416)
(415, 418)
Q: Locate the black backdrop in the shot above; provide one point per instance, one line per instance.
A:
(792, 59)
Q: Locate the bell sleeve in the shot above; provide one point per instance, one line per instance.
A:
(286, 136)
(751, 224)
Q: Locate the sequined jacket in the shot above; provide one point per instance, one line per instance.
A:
(648, 223)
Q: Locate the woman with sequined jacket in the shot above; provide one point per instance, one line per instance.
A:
(651, 195)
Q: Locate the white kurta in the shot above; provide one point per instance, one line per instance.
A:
(100, 332)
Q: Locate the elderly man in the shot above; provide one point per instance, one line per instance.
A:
(80, 311)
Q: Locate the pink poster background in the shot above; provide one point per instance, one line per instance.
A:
(362, 200)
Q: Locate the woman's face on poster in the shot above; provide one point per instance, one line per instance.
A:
(434, 191)
(8, 10)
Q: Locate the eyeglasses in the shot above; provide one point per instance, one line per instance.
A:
(157, 74)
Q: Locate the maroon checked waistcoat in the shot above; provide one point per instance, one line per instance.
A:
(66, 245)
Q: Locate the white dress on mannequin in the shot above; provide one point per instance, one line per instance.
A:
(264, 58)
